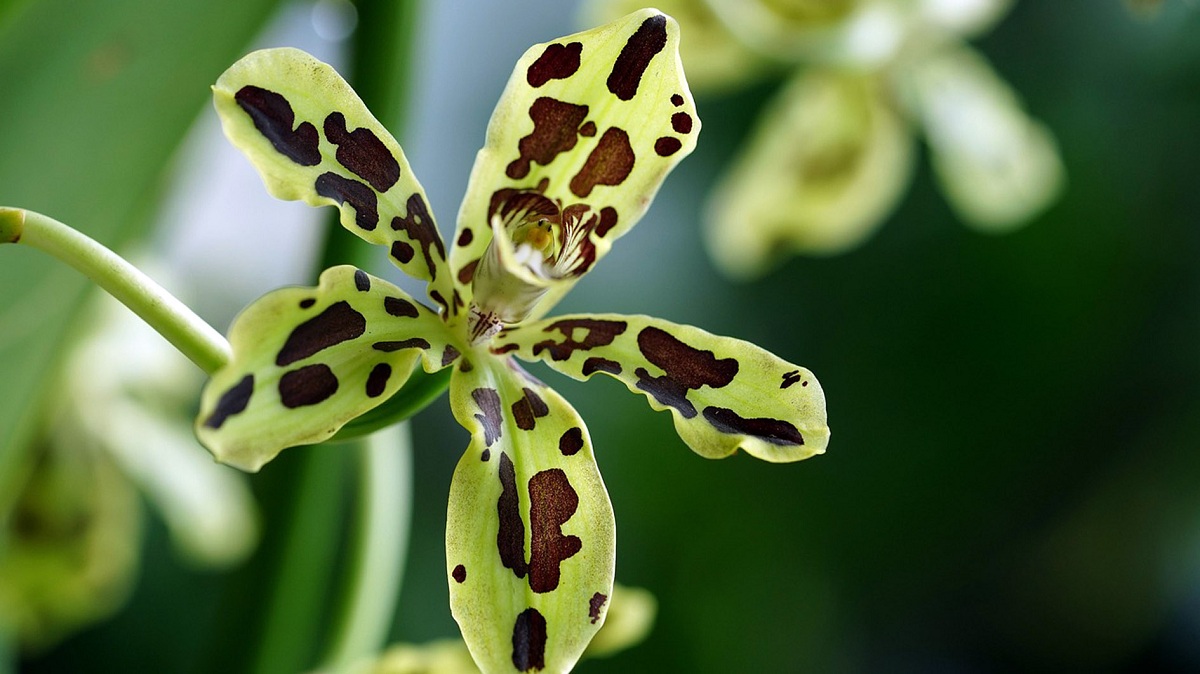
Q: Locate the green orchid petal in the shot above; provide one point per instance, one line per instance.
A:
(585, 132)
(997, 167)
(828, 162)
(530, 538)
(724, 394)
(715, 59)
(308, 360)
(312, 139)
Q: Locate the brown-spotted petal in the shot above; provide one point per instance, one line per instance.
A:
(592, 123)
(312, 139)
(307, 360)
(724, 394)
(530, 542)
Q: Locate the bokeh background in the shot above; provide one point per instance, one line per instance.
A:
(1012, 478)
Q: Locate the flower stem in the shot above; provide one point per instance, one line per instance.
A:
(186, 331)
(379, 544)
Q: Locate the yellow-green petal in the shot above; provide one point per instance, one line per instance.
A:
(998, 167)
(827, 164)
(590, 125)
(312, 139)
(724, 394)
(530, 537)
(307, 360)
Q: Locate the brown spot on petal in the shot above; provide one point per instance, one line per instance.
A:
(529, 641)
(571, 441)
(402, 252)
(308, 385)
(449, 355)
(362, 282)
(307, 302)
(685, 368)
(792, 377)
(231, 402)
(397, 345)
(594, 606)
(609, 163)
(676, 100)
(465, 238)
(460, 574)
(774, 431)
(556, 63)
(555, 130)
(338, 323)
(467, 273)
(597, 364)
(510, 539)
(596, 332)
(552, 502)
(667, 146)
(345, 190)
(587, 130)
(400, 307)
(273, 117)
(681, 122)
(419, 226)
(608, 220)
(363, 153)
(529, 409)
(378, 379)
(635, 57)
(488, 401)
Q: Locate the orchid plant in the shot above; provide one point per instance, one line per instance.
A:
(584, 134)
(833, 152)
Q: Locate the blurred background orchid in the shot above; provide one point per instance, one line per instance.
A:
(1012, 482)
(833, 152)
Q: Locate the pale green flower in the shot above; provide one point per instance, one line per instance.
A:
(585, 132)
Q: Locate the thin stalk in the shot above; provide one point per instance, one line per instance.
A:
(380, 545)
(186, 331)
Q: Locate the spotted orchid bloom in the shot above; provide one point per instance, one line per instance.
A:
(834, 151)
(585, 132)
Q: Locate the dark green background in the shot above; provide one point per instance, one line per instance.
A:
(1012, 478)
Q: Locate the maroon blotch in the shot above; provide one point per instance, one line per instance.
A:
(597, 333)
(555, 130)
(397, 345)
(449, 354)
(681, 122)
(378, 379)
(420, 227)
(667, 146)
(308, 385)
(608, 164)
(400, 307)
(338, 323)
(460, 574)
(571, 441)
(676, 100)
(635, 57)
(402, 252)
(552, 502)
(510, 539)
(465, 238)
(529, 641)
(231, 402)
(598, 364)
(488, 401)
(594, 606)
(273, 117)
(363, 153)
(307, 302)
(774, 431)
(345, 190)
(556, 63)
(529, 409)
(361, 281)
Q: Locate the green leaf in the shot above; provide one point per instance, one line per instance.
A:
(530, 546)
(724, 394)
(585, 132)
(117, 84)
(307, 360)
(312, 139)
(827, 164)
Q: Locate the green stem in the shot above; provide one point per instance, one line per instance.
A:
(380, 544)
(186, 331)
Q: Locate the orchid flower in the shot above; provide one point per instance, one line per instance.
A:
(585, 132)
(834, 152)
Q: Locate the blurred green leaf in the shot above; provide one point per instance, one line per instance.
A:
(94, 99)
